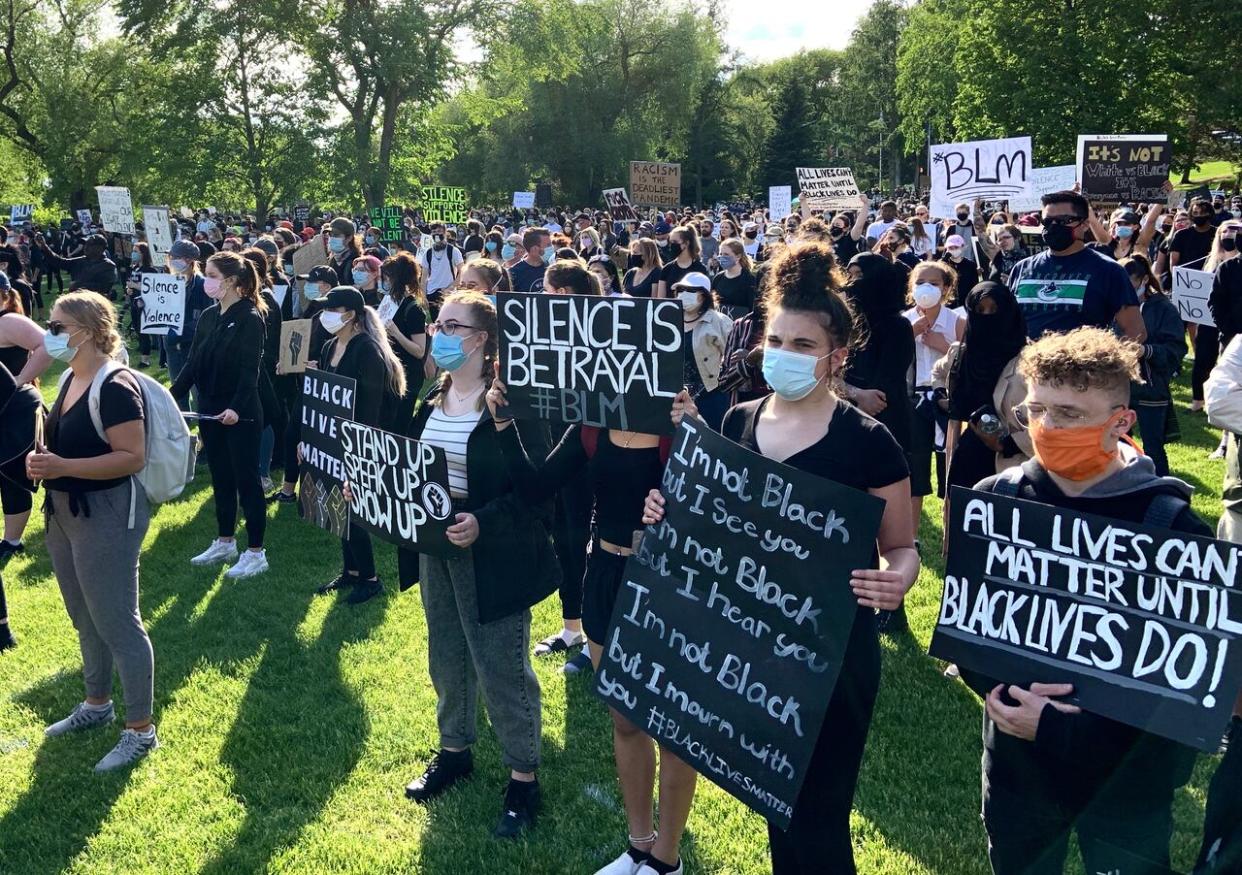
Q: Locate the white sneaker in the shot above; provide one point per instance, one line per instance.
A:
(250, 564)
(84, 716)
(132, 747)
(644, 869)
(219, 551)
(623, 865)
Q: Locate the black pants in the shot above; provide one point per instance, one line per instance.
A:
(571, 533)
(1207, 349)
(818, 838)
(135, 321)
(234, 462)
(14, 499)
(1152, 417)
(356, 554)
(4, 606)
(292, 435)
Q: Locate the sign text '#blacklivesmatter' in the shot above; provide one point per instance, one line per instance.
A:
(1139, 619)
(733, 620)
(609, 362)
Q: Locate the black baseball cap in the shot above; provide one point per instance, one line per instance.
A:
(322, 274)
(346, 297)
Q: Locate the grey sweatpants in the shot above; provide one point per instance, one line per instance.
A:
(95, 558)
(464, 656)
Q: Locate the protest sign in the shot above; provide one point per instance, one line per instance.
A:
(302, 213)
(1123, 168)
(1044, 180)
(20, 214)
(116, 210)
(163, 303)
(780, 199)
(618, 200)
(399, 488)
(1138, 618)
(734, 615)
(543, 194)
(1191, 290)
(327, 401)
(655, 184)
(295, 350)
(159, 233)
(387, 221)
(387, 309)
(84, 217)
(986, 169)
(444, 203)
(310, 254)
(1192, 194)
(524, 200)
(827, 188)
(608, 362)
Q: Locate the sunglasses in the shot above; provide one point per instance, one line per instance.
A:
(54, 328)
(1064, 221)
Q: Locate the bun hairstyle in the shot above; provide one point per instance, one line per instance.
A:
(805, 278)
(405, 273)
(97, 317)
(243, 273)
(482, 315)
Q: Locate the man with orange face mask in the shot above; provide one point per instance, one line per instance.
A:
(1050, 768)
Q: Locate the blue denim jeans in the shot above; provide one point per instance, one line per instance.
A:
(177, 349)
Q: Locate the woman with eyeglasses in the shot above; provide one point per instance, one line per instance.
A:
(807, 425)
(478, 603)
(1003, 250)
(225, 363)
(96, 516)
(605, 272)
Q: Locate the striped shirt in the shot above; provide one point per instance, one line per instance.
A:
(451, 434)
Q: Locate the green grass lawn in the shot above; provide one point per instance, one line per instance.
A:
(291, 724)
(1212, 173)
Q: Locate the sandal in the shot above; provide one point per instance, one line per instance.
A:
(557, 644)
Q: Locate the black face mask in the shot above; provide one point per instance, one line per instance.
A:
(1058, 237)
(1228, 244)
(674, 248)
(836, 232)
(1200, 221)
(962, 217)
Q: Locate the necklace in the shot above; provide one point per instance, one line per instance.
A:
(626, 445)
(463, 398)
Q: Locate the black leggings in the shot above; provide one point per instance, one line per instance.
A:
(4, 606)
(292, 435)
(572, 532)
(1207, 349)
(14, 499)
(135, 321)
(234, 462)
(356, 554)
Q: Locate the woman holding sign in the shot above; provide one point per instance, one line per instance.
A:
(622, 467)
(807, 425)
(403, 313)
(141, 263)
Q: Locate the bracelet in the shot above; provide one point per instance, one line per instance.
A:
(644, 840)
(502, 421)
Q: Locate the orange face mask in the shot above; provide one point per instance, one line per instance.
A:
(1073, 453)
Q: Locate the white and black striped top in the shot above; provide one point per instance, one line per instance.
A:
(451, 434)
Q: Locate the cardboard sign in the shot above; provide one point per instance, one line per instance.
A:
(1044, 180)
(524, 200)
(387, 222)
(655, 184)
(1191, 290)
(987, 169)
(608, 362)
(84, 217)
(399, 488)
(21, 214)
(444, 203)
(163, 303)
(295, 335)
(618, 201)
(733, 619)
(327, 400)
(780, 202)
(1139, 619)
(116, 210)
(310, 254)
(159, 233)
(827, 188)
(1128, 168)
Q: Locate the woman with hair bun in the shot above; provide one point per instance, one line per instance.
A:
(224, 365)
(806, 424)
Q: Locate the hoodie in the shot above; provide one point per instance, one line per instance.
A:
(1074, 756)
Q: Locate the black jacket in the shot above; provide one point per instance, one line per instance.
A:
(514, 564)
(1162, 352)
(363, 362)
(225, 359)
(98, 275)
(1225, 301)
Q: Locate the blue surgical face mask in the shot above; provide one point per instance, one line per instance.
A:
(491, 245)
(178, 265)
(370, 240)
(508, 251)
(447, 351)
(336, 244)
(725, 261)
(548, 254)
(790, 374)
(313, 292)
(361, 277)
(1124, 232)
(386, 285)
(57, 346)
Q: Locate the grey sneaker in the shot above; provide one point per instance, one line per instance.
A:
(83, 717)
(132, 747)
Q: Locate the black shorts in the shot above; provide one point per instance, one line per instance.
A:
(605, 573)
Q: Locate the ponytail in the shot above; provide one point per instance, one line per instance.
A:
(244, 274)
(369, 324)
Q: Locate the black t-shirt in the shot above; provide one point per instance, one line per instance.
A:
(11, 262)
(473, 243)
(526, 278)
(646, 288)
(845, 247)
(673, 272)
(411, 322)
(1192, 246)
(735, 293)
(72, 435)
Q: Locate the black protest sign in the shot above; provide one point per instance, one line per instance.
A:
(608, 362)
(1123, 168)
(387, 222)
(619, 205)
(301, 213)
(399, 488)
(734, 615)
(1139, 619)
(327, 399)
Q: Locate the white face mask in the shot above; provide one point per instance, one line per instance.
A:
(332, 322)
(926, 295)
(689, 300)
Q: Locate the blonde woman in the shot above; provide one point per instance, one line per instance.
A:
(641, 280)
(735, 286)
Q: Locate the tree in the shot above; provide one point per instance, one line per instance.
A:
(868, 107)
(792, 144)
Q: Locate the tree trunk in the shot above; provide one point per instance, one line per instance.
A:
(388, 133)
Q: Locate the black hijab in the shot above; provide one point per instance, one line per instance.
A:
(990, 343)
(878, 293)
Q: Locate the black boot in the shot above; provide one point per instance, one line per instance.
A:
(445, 769)
(520, 809)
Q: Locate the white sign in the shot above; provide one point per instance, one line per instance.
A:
(20, 214)
(84, 217)
(524, 200)
(279, 293)
(780, 199)
(986, 169)
(387, 309)
(159, 233)
(163, 303)
(827, 188)
(1044, 180)
(116, 210)
(1191, 289)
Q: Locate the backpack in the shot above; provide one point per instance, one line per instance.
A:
(170, 453)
